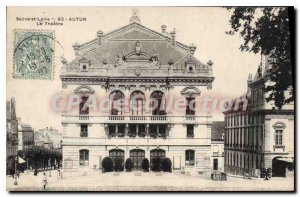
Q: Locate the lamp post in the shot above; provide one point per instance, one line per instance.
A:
(266, 173)
(15, 175)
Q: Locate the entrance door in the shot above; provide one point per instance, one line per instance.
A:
(156, 153)
(137, 156)
(278, 168)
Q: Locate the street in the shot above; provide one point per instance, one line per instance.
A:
(131, 181)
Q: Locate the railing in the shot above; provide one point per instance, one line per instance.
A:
(136, 119)
(116, 117)
(159, 141)
(83, 117)
(189, 117)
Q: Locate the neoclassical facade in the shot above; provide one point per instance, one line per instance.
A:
(143, 75)
(259, 136)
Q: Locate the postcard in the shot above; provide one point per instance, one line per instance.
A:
(150, 99)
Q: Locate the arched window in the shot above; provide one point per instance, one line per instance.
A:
(137, 103)
(116, 154)
(84, 92)
(190, 157)
(117, 100)
(84, 157)
(157, 103)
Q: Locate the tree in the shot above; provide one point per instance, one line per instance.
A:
(166, 164)
(35, 154)
(266, 30)
(107, 164)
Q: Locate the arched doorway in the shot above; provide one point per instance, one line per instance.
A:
(117, 154)
(156, 154)
(137, 156)
(278, 167)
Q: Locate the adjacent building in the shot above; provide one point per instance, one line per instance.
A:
(217, 145)
(25, 135)
(48, 137)
(132, 67)
(259, 136)
(11, 135)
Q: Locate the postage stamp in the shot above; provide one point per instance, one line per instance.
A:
(33, 54)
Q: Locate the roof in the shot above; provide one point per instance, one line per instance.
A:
(24, 127)
(262, 70)
(121, 44)
(217, 130)
(10, 110)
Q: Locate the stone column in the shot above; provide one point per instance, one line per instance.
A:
(147, 130)
(126, 130)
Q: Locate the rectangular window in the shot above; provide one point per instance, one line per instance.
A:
(83, 107)
(112, 130)
(162, 130)
(190, 157)
(121, 130)
(278, 137)
(83, 130)
(132, 130)
(215, 164)
(190, 108)
(84, 157)
(190, 130)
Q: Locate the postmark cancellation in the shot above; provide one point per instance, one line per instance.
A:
(33, 56)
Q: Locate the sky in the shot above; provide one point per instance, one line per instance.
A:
(205, 27)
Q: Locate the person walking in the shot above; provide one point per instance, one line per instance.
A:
(45, 181)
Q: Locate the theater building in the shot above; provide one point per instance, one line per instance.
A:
(259, 136)
(136, 69)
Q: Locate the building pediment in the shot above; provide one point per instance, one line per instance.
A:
(134, 34)
(133, 56)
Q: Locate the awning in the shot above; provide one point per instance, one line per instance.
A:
(286, 159)
(21, 160)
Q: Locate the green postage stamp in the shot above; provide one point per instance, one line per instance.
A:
(33, 54)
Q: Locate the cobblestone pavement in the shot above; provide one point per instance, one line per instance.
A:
(131, 181)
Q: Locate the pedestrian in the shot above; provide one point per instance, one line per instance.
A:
(18, 173)
(58, 174)
(45, 182)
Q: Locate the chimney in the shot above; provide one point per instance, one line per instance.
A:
(76, 48)
(259, 70)
(173, 34)
(249, 79)
(192, 48)
(163, 29)
(99, 35)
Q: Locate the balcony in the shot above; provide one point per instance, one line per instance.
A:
(138, 141)
(162, 119)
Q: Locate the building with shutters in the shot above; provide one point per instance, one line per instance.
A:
(259, 136)
(142, 73)
(11, 135)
